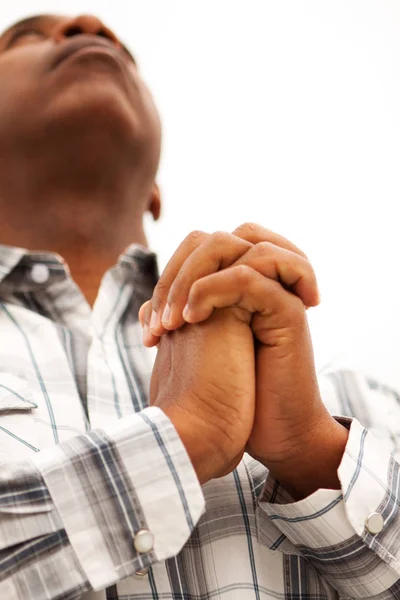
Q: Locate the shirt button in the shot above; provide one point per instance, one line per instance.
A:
(374, 523)
(143, 541)
(142, 572)
(40, 273)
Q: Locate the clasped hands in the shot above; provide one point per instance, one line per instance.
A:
(235, 368)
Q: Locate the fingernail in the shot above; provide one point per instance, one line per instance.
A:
(141, 312)
(186, 312)
(145, 335)
(166, 314)
(153, 320)
(319, 296)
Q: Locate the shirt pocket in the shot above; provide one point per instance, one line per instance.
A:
(18, 435)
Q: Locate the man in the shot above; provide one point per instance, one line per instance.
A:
(100, 494)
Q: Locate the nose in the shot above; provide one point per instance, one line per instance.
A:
(88, 24)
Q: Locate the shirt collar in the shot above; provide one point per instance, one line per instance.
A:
(17, 266)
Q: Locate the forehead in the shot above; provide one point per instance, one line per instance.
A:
(42, 20)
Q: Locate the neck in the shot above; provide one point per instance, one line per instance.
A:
(88, 229)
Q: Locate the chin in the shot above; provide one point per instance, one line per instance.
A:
(94, 103)
(93, 124)
(91, 119)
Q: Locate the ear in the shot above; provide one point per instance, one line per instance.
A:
(155, 202)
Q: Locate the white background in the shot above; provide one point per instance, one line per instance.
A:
(286, 113)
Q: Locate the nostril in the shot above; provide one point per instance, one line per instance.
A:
(74, 30)
(103, 34)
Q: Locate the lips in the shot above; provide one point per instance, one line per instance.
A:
(80, 43)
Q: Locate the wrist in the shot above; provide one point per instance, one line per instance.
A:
(315, 463)
(193, 437)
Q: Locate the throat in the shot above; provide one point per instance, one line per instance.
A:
(89, 284)
(88, 232)
(88, 269)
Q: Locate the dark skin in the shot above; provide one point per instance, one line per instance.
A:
(79, 145)
(79, 150)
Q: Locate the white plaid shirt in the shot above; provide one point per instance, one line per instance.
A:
(70, 514)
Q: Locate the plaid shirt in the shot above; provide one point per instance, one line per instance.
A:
(73, 497)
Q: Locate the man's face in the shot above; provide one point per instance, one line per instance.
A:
(71, 81)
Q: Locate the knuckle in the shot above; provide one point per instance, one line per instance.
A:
(196, 237)
(220, 237)
(263, 248)
(219, 242)
(244, 274)
(303, 266)
(248, 226)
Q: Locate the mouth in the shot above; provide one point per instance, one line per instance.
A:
(84, 45)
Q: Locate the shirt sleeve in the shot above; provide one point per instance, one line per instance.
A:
(351, 536)
(96, 509)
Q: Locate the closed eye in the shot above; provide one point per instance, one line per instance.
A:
(19, 34)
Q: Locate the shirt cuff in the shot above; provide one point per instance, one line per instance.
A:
(349, 532)
(110, 484)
